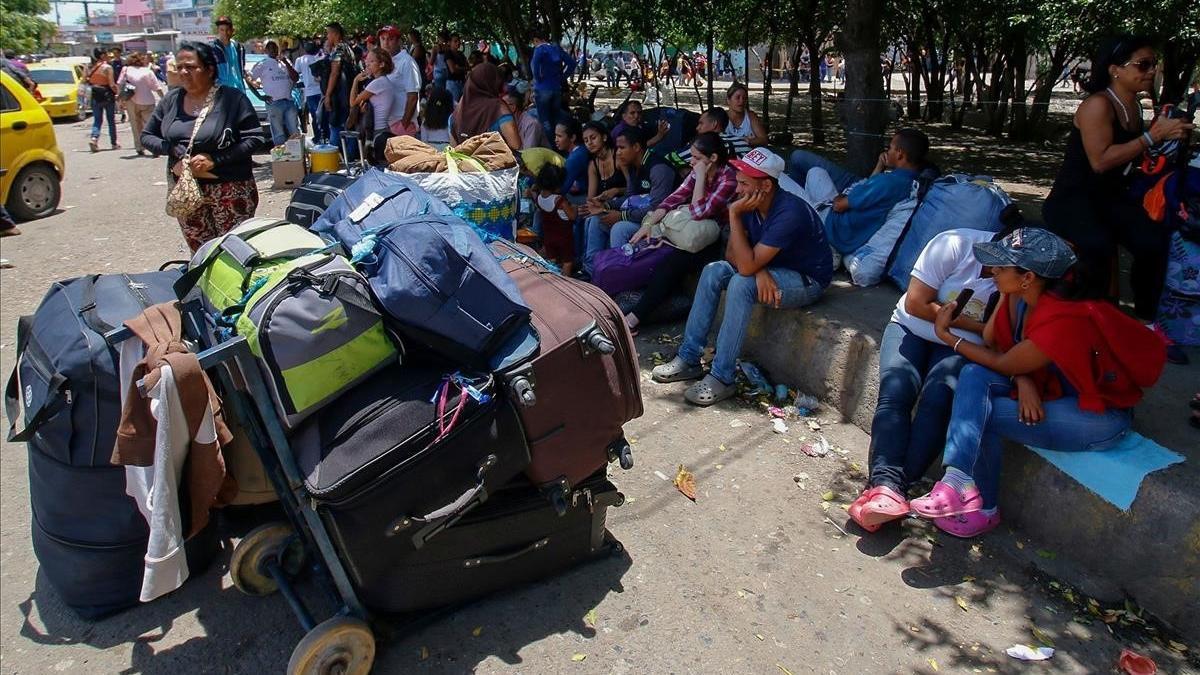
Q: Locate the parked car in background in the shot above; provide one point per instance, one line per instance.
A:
(31, 165)
(83, 96)
(59, 85)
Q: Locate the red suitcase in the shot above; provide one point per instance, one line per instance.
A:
(581, 385)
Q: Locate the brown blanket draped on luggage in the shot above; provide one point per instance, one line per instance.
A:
(160, 327)
(406, 154)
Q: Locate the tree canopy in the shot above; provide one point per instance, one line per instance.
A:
(21, 27)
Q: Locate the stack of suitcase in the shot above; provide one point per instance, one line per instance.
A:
(517, 488)
(434, 487)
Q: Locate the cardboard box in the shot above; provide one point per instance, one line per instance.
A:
(287, 174)
(293, 149)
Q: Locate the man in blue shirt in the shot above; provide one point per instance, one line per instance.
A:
(776, 255)
(231, 56)
(852, 216)
(551, 66)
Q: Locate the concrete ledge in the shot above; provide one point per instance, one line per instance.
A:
(1150, 553)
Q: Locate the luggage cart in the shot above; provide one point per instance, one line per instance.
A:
(269, 557)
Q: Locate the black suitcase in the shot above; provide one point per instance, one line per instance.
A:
(314, 195)
(516, 538)
(383, 481)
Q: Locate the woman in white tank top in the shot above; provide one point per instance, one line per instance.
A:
(743, 123)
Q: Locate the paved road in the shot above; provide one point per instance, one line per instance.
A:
(752, 577)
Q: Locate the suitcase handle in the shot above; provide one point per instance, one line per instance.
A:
(495, 559)
(439, 519)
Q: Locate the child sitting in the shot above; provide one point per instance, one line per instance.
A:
(557, 217)
(435, 129)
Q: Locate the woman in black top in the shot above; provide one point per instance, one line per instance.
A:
(1090, 204)
(221, 155)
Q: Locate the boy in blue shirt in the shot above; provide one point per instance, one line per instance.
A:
(852, 216)
(776, 256)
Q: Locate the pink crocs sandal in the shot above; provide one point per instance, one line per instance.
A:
(885, 506)
(968, 525)
(855, 509)
(944, 500)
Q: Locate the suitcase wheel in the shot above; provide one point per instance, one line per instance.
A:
(342, 645)
(522, 390)
(626, 457)
(601, 343)
(266, 544)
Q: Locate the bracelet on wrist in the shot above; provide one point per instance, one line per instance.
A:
(956, 344)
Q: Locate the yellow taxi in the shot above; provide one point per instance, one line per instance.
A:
(59, 86)
(31, 165)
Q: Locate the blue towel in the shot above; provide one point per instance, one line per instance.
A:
(1116, 473)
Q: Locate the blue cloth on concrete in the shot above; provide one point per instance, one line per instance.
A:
(870, 202)
(1115, 474)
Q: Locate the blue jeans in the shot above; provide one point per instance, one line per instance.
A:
(599, 237)
(101, 109)
(455, 87)
(549, 107)
(439, 78)
(803, 160)
(316, 118)
(284, 120)
(912, 372)
(741, 295)
(984, 416)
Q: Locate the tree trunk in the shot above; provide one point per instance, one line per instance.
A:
(866, 114)
(709, 45)
(793, 86)
(1001, 86)
(768, 79)
(914, 83)
(816, 114)
(1018, 128)
(1044, 88)
(746, 57)
(1178, 64)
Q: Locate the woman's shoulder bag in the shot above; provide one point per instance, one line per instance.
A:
(185, 197)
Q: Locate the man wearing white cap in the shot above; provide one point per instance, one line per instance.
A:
(776, 255)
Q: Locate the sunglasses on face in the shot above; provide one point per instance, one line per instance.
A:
(1144, 66)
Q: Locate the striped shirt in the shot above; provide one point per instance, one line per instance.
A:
(717, 195)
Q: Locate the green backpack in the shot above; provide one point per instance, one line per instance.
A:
(225, 268)
(305, 312)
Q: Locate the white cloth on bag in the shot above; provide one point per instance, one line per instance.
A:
(155, 488)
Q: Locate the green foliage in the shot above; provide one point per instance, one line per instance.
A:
(21, 27)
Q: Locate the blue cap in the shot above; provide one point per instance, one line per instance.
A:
(1042, 252)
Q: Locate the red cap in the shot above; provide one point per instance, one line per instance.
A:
(390, 31)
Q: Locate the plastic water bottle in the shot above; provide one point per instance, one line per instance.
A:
(627, 249)
(756, 377)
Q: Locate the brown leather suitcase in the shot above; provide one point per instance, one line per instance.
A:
(581, 385)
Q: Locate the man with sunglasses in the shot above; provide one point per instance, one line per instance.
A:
(1091, 204)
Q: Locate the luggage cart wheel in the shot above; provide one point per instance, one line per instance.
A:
(273, 541)
(342, 645)
(626, 457)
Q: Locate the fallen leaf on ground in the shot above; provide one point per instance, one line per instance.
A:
(577, 657)
(933, 664)
(1177, 646)
(968, 578)
(685, 482)
(814, 425)
(783, 670)
(424, 653)
(589, 619)
(828, 496)
(1048, 555)
(1041, 636)
(760, 637)
(962, 604)
(477, 631)
(722, 447)
(1020, 545)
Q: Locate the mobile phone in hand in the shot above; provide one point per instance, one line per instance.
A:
(960, 303)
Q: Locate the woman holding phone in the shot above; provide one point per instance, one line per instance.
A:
(917, 370)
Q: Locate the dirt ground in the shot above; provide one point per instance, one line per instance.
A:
(762, 574)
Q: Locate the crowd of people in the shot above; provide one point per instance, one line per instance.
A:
(1006, 335)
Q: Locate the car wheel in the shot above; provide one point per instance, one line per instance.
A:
(35, 192)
